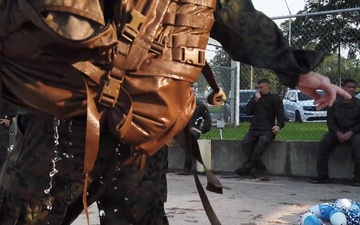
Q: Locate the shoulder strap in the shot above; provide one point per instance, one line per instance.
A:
(189, 143)
(217, 97)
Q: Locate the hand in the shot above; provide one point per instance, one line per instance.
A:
(310, 82)
(340, 136)
(217, 98)
(348, 135)
(6, 122)
(257, 96)
(275, 129)
(196, 132)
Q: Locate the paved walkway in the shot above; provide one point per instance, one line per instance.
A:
(276, 200)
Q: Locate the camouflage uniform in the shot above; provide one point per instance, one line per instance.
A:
(25, 176)
(247, 35)
(265, 110)
(341, 117)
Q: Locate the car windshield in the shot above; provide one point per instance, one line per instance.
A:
(245, 96)
(303, 97)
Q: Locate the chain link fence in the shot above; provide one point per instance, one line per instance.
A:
(335, 33)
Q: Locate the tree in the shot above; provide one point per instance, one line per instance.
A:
(330, 32)
(336, 34)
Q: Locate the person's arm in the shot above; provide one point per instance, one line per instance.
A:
(331, 120)
(280, 114)
(251, 106)
(207, 119)
(251, 37)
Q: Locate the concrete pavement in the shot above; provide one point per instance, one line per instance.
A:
(246, 201)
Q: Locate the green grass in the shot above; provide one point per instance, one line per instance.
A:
(291, 131)
(215, 109)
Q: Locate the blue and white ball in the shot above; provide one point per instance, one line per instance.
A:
(309, 219)
(343, 203)
(337, 217)
(322, 210)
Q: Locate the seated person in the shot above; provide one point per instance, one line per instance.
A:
(265, 107)
(343, 121)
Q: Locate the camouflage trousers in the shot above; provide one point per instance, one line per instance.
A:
(124, 194)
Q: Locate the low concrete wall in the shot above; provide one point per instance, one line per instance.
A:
(288, 158)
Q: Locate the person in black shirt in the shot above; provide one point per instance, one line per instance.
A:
(343, 121)
(265, 107)
(200, 123)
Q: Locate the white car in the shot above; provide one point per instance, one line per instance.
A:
(357, 95)
(300, 108)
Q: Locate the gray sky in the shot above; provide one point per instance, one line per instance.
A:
(274, 8)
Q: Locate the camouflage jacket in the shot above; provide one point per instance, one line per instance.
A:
(251, 37)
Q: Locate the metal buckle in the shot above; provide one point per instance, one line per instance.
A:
(132, 29)
(194, 56)
(110, 91)
(158, 45)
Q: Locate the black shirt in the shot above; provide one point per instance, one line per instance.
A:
(265, 110)
(343, 116)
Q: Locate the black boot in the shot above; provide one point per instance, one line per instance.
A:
(243, 171)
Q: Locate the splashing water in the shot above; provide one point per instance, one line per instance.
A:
(53, 171)
(102, 213)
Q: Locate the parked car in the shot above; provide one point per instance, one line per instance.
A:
(244, 97)
(300, 107)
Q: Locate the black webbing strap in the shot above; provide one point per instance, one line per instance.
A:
(188, 141)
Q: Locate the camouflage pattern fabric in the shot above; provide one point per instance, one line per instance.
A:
(136, 197)
(25, 176)
(249, 36)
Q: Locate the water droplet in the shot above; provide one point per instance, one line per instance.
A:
(101, 213)
(53, 172)
(47, 191)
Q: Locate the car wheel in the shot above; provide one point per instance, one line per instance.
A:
(298, 117)
(287, 119)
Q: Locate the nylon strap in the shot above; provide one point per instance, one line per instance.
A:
(190, 144)
(210, 78)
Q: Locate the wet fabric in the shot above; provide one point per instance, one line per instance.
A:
(25, 177)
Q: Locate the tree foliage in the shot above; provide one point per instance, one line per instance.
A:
(336, 34)
(329, 32)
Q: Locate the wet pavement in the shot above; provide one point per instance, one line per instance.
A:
(245, 201)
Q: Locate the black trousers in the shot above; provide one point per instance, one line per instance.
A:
(327, 146)
(254, 145)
